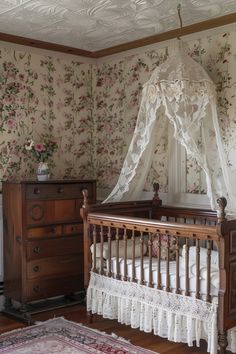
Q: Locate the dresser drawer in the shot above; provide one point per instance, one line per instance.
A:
(52, 211)
(46, 231)
(71, 229)
(58, 191)
(38, 289)
(55, 267)
(37, 249)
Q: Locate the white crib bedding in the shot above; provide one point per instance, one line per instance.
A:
(172, 270)
(179, 318)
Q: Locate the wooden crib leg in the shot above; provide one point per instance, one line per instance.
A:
(223, 342)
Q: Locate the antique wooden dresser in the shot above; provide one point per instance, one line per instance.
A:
(43, 239)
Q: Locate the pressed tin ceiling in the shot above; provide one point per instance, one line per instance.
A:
(94, 25)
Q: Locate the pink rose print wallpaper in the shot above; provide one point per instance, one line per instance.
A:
(90, 110)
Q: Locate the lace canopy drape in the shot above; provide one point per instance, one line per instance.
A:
(180, 92)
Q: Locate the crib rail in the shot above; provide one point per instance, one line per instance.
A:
(106, 232)
(196, 216)
(150, 225)
(129, 246)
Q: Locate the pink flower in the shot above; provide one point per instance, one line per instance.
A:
(39, 147)
(11, 124)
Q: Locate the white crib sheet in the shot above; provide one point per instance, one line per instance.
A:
(172, 270)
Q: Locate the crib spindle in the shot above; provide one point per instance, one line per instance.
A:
(186, 293)
(109, 250)
(150, 280)
(168, 265)
(197, 294)
(101, 271)
(117, 255)
(94, 248)
(159, 262)
(125, 255)
(133, 257)
(177, 285)
(141, 259)
(209, 247)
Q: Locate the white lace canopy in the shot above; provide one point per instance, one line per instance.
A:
(180, 92)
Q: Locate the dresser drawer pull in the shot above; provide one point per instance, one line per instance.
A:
(36, 269)
(36, 190)
(36, 249)
(36, 288)
(60, 190)
(18, 238)
(52, 230)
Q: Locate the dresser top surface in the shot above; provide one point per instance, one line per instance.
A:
(56, 181)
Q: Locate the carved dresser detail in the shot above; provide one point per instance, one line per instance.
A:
(43, 239)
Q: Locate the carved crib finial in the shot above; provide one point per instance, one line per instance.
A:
(85, 206)
(222, 202)
(156, 200)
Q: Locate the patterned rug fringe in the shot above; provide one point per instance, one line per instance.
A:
(67, 336)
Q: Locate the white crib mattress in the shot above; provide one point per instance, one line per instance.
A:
(172, 270)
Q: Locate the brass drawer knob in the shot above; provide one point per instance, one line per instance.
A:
(36, 288)
(36, 249)
(36, 269)
(36, 190)
(60, 190)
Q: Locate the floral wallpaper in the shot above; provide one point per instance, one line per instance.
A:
(45, 97)
(218, 56)
(118, 87)
(90, 110)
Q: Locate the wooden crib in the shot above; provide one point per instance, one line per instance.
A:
(188, 278)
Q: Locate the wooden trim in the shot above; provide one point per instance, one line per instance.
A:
(43, 45)
(197, 27)
(194, 28)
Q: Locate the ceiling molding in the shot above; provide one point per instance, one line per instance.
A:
(44, 45)
(197, 27)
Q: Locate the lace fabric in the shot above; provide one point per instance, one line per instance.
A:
(176, 317)
(181, 93)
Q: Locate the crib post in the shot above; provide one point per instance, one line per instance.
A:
(223, 250)
(87, 258)
(156, 200)
(223, 342)
(221, 216)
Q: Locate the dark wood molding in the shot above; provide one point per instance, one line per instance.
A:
(195, 28)
(43, 45)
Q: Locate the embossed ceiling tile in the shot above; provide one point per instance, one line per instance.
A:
(7, 5)
(82, 23)
(229, 8)
(74, 5)
(98, 24)
(38, 12)
(20, 28)
(31, 16)
(62, 36)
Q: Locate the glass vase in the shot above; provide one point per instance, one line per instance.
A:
(43, 171)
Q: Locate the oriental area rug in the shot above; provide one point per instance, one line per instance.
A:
(60, 336)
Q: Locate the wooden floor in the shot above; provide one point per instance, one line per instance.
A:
(78, 314)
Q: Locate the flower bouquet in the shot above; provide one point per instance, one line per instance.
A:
(41, 152)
